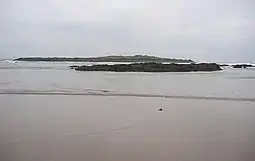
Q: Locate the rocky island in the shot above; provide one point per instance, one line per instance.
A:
(150, 67)
(135, 58)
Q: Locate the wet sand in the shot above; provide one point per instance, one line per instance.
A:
(78, 128)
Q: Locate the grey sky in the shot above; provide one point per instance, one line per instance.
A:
(206, 30)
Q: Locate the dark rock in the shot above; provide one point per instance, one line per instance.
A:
(73, 66)
(151, 67)
(242, 66)
(160, 109)
(223, 65)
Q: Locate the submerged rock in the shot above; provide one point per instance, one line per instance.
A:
(151, 67)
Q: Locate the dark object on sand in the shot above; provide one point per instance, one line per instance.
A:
(242, 66)
(160, 109)
(152, 67)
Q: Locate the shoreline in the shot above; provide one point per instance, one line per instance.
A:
(135, 95)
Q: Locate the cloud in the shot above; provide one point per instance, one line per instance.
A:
(212, 30)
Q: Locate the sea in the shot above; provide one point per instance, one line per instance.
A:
(49, 112)
(58, 77)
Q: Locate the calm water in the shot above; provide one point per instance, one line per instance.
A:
(89, 127)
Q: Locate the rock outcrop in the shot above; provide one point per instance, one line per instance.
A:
(151, 67)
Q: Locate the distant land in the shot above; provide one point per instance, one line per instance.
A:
(135, 58)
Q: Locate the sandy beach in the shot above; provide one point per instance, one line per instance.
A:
(64, 128)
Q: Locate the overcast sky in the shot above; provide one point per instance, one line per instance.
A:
(205, 30)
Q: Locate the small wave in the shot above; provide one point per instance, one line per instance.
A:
(84, 134)
(33, 68)
(118, 129)
(6, 83)
(242, 78)
(121, 128)
(68, 93)
(7, 61)
(10, 142)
